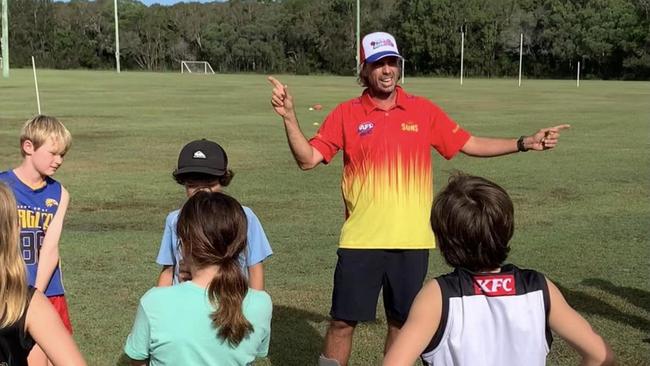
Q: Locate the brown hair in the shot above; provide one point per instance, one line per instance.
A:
(13, 280)
(473, 219)
(40, 128)
(212, 230)
(203, 180)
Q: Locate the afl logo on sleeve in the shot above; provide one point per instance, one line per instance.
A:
(365, 128)
(495, 285)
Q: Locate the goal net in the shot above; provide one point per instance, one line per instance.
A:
(196, 67)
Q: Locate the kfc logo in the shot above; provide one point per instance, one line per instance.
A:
(495, 285)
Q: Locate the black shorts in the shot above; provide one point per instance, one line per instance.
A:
(361, 273)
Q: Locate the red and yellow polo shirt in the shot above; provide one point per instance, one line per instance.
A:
(387, 180)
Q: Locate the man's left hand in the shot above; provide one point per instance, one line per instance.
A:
(545, 139)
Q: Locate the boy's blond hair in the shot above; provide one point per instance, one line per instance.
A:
(13, 274)
(40, 128)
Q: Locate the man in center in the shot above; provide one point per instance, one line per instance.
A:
(386, 136)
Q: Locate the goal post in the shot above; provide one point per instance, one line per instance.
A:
(4, 40)
(196, 67)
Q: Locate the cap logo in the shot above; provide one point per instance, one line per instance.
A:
(199, 155)
(382, 43)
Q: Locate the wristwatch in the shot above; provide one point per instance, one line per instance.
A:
(520, 144)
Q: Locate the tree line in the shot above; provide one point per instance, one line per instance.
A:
(610, 38)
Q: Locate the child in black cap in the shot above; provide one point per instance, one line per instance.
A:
(203, 166)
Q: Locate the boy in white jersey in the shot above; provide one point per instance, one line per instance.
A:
(485, 312)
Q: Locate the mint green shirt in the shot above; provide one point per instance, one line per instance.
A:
(173, 327)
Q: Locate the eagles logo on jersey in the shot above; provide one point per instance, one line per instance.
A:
(51, 202)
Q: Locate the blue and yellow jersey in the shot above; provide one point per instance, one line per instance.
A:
(36, 209)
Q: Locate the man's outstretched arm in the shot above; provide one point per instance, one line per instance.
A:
(544, 139)
(307, 156)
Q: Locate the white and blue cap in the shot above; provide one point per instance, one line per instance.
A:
(376, 46)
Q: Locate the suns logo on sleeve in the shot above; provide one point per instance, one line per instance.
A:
(51, 202)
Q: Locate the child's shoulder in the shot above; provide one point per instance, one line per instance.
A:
(8, 179)
(250, 215)
(525, 273)
(158, 295)
(173, 216)
(155, 292)
(257, 301)
(55, 183)
(248, 211)
(258, 295)
(8, 176)
(48, 184)
(50, 180)
(163, 300)
(462, 281)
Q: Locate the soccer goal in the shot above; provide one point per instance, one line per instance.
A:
(196, 67)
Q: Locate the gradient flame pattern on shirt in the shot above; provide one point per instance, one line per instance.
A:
(385, 197)
(387, 182)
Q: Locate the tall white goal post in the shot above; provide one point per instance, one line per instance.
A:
(196, 67)
(5, 40)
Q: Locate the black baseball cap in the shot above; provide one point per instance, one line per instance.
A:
(202, 156)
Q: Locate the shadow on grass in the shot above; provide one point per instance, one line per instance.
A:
(634, 296)
(124, 360)
(294, 340)
(585, 303)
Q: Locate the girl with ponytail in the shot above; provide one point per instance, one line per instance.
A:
(214, 319)
(26, 316)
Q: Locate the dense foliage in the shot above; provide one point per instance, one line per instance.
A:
(611, 38)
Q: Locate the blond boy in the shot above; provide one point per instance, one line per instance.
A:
(42, 204)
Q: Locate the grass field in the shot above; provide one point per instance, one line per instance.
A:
(582, 210)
